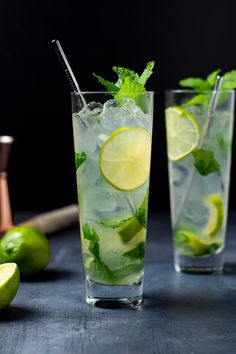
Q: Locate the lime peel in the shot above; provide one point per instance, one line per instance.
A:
(215, 205)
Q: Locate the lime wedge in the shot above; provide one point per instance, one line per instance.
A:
(188, 244)
(9, 283)
(129, 229)
(215, 205)
(183, 133)
(125, 158)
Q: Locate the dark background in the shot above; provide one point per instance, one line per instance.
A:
(185, 38)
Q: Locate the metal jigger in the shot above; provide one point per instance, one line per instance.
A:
(5, 208)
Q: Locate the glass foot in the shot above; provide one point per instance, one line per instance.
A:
(200, 265)
(114, 296)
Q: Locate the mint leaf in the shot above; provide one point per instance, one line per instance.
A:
(142, 211)
(196, 84)
(146, 73)
(211, 78)
(87, 232)
(97, 264)
(110, 86)
(123, 73)
(130, 88)
(196, 100)
(80, 157)
(205, 162)
(229, 80)
(129, 83)
(137, 252)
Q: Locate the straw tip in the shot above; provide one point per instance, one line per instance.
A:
(54, 40)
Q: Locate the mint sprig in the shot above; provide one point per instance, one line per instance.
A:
(198, 84)
(129, 83)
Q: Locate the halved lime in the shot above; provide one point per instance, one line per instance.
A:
(125, 158)
(215, 205)
(183, 133)
(9, 283)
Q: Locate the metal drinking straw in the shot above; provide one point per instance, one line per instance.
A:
(212, 107)
(67, 68)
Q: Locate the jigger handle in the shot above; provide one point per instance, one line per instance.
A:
(55, 220)
(5, 207)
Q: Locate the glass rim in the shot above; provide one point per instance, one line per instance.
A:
(108, 93)
(196, 92)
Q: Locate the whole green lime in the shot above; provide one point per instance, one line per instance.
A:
(9, 283)
(26, 246)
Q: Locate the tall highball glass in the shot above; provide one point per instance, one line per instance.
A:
(199, 140)
(112, 141)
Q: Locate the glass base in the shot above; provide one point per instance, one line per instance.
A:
(114, 296)
(200, 265)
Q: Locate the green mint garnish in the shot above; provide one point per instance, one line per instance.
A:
(110, 87)
(197, 100)
(199, 84)
(137, 252)
(205, 162)
(80, 157)
(130, 88)
(211, 78)
(146, 73)
(128, 83)
(229, 80)
(123, 73)
(196, 84)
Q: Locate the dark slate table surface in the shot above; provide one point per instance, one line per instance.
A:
(192, 314)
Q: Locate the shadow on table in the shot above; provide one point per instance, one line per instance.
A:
(16, 313)
(200, 303)
(230, 268)
(51, 275)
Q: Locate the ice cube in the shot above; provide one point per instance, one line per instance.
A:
(122, 113)
(84, 136)
(102, 138)
(104, 200)
(91, 109)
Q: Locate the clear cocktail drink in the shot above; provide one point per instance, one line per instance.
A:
(112, 140)
(199, 156)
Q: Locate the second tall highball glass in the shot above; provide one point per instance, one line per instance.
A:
(199, 143)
